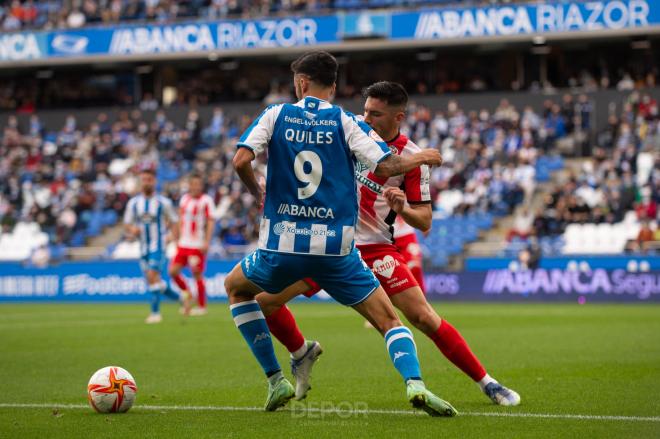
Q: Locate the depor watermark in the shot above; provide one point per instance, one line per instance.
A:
(324, 409)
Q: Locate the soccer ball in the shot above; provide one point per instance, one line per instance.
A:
(111, 390)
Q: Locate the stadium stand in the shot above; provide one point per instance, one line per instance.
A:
(521, 139)
(205, 82)
(73, 182)
(30, 14)
(607, 201)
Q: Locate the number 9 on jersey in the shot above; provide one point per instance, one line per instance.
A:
(313, 177)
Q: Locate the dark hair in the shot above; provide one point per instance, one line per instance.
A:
(195, 175)
(321, 67)
(392, 93)
(148, 170)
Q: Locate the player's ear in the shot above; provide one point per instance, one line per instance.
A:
(400, 116)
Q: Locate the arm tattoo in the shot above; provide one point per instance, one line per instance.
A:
(392, 165)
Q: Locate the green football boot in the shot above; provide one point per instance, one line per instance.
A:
(279, 394)
(421, 398)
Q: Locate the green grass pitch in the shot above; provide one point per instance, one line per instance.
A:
(593, 369)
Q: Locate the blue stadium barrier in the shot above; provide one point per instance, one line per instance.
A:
(619, 262)
(123, 281)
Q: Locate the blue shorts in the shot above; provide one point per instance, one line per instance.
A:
(346, 278)
(153, 261)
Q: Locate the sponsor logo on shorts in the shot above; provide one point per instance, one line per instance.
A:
(385, 267)
(397, 284)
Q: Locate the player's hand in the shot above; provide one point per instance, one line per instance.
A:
(204, 248)
(259, 199)
(431, 157)
(260, 196)
(132, 233)
(395, 198)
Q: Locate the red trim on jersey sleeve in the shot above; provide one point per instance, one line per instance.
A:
(412, 185)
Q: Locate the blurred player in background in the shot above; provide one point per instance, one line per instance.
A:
(149, 216)
(195, 227)
(308, 227)
(382, 199)
(405, 240)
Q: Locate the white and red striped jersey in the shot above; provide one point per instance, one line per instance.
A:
(195, 213)
(376, 219)
(402, 228)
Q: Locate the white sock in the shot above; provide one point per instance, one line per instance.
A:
(416, 381)
(485, 381)
(300, 352)
(273, 379)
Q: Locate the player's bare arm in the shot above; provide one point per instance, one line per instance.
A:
(418, 216)
(242, 163)
(131, 231)
(397, 165)
(210, 226)
(175, 228)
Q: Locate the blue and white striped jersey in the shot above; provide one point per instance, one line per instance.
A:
(151, 215)
(311, 196)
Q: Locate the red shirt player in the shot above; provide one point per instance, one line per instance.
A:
(381, 201)
(195, 231)
(405, 240)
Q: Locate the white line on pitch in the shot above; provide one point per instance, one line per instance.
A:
(348, 412)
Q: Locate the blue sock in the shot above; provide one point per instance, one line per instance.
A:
(403, 353)
(168, 291)
(155, 298)
(251, 322)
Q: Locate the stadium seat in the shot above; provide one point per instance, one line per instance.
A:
(78, 239)
(126, 250)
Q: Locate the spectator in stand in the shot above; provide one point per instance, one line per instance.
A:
(555, 125)
(646, 208)
(626, 83)
(645, 237)
(523, 223)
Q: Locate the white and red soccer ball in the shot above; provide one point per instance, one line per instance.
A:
(111, 390)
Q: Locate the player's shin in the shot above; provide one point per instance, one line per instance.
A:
(403, 353)
(453, 346)
(283, 326)
(155, 298)
(168, 291)
(201, 292)
(180, 282)
(251, 322)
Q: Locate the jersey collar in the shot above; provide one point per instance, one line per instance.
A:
(312, 103)
(400, 140)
